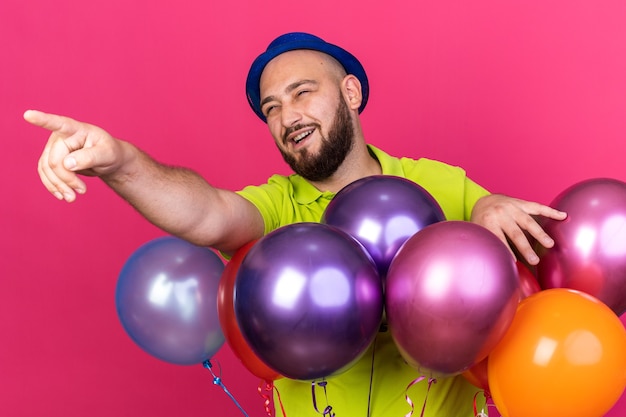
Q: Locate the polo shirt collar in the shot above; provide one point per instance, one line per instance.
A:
(305, 193)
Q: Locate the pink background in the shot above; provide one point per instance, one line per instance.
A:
(529, 96)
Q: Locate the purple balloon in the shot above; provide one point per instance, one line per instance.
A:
(452, 291)
(166, 299)
(382, 212)
(589, 253)
(308, 300)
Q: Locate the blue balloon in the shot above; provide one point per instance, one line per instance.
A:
(166, 299)
(382, 212)
(308, 300)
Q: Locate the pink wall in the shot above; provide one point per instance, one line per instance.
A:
(529, 96)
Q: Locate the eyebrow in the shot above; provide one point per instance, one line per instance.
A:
(289, 89)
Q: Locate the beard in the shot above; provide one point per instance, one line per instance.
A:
(333, 150)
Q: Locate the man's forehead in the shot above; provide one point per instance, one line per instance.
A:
(304, 58)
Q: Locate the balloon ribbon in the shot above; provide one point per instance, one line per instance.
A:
(431, 381)
(369, 395)
(328, 411)
(268, 386)
(218, 381)
(482, 412)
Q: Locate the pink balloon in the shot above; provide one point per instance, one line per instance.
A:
(477, 374)
(452, 291)
(589, 254)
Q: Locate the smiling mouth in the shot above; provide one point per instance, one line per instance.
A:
(301, 136)
(298, 133)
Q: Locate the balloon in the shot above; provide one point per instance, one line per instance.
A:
(528, 282)
(382, 212)
(308, 300)
(619, 408)
(166, 299)
(590, 245)
(228, 320)
(451, 293)
(477, 374)
(564, 355)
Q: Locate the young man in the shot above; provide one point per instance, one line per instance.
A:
(310, 94)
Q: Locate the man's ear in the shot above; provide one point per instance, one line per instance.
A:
(351, 89)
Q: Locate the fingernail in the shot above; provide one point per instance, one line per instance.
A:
(58, 195)
(68, 196)
(69, 163)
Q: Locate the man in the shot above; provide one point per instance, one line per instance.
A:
(310, 94)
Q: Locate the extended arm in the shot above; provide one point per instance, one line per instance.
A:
(510, 218)
(175, 199)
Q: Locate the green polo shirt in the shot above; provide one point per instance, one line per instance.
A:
(290, 199)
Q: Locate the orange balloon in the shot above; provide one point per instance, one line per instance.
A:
(564, 355)
(228, 320)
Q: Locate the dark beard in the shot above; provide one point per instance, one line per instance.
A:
(332, 153)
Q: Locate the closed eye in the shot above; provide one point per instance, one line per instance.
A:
(267, 110)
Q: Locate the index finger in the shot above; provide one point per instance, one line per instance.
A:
(537, 209)
(53, 122)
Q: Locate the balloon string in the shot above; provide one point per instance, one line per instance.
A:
(218, 381)
(328, 411)
(406, 394)
(266, 386)
(431, 381)
(369, 395)
(482, 412)
(490, 404)
(280, 401)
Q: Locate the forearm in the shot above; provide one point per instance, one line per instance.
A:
(181, 202)
(177, 200)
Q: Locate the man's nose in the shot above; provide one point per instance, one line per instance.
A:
(290, 115)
